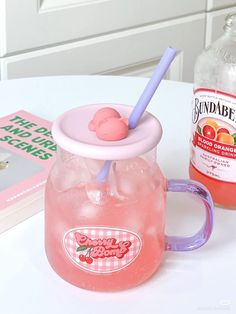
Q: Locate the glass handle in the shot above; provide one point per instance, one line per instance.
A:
(174, 243)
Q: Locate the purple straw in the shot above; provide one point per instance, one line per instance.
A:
(151, 87)
(143, 101)
(103, 173)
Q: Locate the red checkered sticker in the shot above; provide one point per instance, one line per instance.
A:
(101, 249)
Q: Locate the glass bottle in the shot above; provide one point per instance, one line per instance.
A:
(213, 147)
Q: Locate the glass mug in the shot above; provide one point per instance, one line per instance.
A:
(109, 235)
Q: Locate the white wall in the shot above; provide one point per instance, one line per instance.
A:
(125, 37)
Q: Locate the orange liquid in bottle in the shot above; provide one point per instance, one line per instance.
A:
(213, 160)
(223, 193)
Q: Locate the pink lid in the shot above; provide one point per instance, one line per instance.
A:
(70, 131)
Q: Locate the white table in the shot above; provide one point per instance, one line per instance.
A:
(202, 281)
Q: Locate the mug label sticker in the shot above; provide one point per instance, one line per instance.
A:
(101, 249)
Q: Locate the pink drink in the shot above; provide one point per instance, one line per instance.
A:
(106, 232)
(141, 213)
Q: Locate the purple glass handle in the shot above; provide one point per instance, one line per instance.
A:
(201, 237)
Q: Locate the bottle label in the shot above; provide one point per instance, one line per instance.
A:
(101, 249)
(214, 134)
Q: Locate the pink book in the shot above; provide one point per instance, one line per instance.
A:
(27, 152)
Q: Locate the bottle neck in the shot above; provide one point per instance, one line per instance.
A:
(230, 26)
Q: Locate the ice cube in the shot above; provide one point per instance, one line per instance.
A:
(64, 178)
(88, 210)
(71, 199)
(133, 178)
(94, 166)
(97, 192)
(137, 165)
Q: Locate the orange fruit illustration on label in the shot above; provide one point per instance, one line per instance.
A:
(222, 130)
(209, 131)
(212, 123)
(225, 138)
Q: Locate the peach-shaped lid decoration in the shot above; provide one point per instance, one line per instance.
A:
(102, 115)
(71, 133)
(109, 125)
